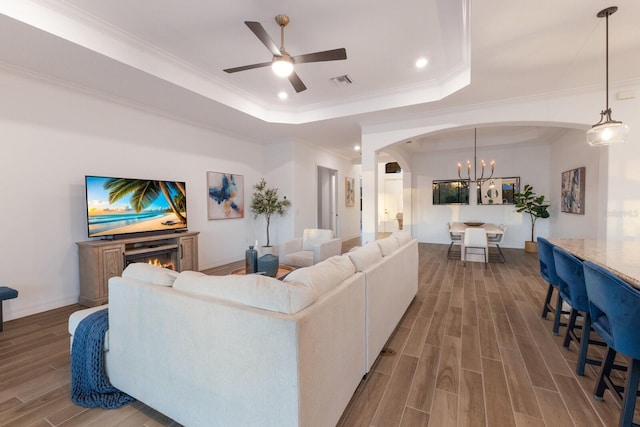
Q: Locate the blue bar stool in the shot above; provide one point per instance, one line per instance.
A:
(548, 273)
(615, 312)
(573, 290)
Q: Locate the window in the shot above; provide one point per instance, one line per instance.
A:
(448, 192)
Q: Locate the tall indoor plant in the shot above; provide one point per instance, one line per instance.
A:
(534, 205)
(264, 201)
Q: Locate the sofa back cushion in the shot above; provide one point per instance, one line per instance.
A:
(150, 273)
(323, 276)
(365, 256)
(254, 290)
(403, 237)
(388, 245)
(314, 236)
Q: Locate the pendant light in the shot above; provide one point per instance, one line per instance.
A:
(607, 131)
(475, 179)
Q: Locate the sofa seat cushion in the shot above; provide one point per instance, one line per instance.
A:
(323, 276)
(365, 256)
(150, 273)
(254, 290)
(78, 316)
(388, 245)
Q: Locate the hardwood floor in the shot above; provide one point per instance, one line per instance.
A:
(471, 350)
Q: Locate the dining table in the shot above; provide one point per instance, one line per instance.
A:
(460, 227)
(621, 257)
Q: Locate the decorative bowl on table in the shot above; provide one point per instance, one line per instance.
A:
(473, 223)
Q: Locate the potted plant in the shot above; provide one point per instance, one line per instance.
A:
(534, 205)
(264, 201)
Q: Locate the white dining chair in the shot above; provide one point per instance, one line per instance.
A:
(456, 239)
(475, 238)
(495, 240)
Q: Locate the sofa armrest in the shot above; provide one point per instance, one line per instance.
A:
(326, 250)
(291, 246)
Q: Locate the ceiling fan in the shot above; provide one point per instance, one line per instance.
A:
(282, 62)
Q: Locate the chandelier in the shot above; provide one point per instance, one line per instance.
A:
(607, 131)
(476, 179)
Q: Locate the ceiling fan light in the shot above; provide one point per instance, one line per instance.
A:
(282, 67)
(610, 132)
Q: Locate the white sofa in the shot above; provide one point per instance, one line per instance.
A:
(390, 266)
(314, 246)
(252, 350)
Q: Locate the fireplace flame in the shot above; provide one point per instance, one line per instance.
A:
(158, 263)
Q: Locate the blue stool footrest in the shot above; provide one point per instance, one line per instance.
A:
(6, 293)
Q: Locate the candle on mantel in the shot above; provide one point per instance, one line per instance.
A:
(493, 163)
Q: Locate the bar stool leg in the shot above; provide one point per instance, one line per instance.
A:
(630, 394)
(605, 371)
(584, 344)
(558, 315)
(570, 325)
(547, 302)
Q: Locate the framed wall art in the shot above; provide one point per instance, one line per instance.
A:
(349, 192)
(225, 195)
(572, 192)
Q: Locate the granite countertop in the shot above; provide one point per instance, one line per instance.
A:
(621, 257)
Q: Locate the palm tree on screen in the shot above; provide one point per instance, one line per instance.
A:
(144, 193)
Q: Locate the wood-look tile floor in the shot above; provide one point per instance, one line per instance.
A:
(472, 350)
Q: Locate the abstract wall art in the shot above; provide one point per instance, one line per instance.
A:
(572, 192)
(349, 192)
(225, 198)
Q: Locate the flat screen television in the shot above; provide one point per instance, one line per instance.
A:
(125, 206)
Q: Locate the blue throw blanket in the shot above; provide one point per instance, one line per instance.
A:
(90, 386)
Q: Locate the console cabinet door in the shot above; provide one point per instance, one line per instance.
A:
(189, 253)
(112, 264)
(97, 265)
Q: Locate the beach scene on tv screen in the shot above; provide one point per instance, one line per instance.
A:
(123, 206)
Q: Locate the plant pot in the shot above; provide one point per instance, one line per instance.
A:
(531, 247)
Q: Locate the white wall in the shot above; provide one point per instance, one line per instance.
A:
(571, 152)
(307, 159)
(530, 163)
(619, 212)
(53, 136)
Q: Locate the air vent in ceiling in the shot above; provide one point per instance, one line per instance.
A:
(342, 80)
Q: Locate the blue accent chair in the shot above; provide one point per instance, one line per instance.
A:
(5, 293)
(548, 273)
(615, 313)
(574, 291)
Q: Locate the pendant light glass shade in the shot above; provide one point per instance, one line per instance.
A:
(607, 131)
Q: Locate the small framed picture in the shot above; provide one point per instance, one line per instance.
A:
(349, 192)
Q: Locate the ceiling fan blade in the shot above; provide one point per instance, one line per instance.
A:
(296, 82)
(327, 55)
(260, 33)
(247, 67)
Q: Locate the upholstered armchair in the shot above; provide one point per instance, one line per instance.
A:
(314, 246)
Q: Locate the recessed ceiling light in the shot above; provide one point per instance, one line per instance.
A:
(357, 148)
(283, 95)
(421, 62)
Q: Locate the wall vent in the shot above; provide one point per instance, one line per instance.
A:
(342, 80)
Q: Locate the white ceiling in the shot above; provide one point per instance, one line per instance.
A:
(168, 56)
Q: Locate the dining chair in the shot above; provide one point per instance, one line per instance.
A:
(495, 240)
(572, 288)
(476, 238)
(548, 273)
(456, 239)
(614, 306)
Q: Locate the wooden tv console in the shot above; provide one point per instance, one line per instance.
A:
(99, 260)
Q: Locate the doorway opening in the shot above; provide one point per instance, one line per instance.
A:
(328, 199)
